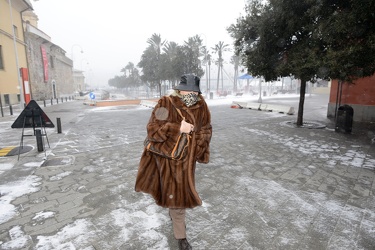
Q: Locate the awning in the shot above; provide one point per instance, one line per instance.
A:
(245, 76)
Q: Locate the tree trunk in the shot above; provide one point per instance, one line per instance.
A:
(235, 80)
(302, 93)
(159, 83)
(222, 79)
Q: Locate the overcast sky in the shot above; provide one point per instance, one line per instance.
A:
(112, 33)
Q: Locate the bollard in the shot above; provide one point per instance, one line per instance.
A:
(1, 107)
(58, 125)
(66, 99)
(10, 109)
(39, 140)
(44, 103)
(62, 99)
(51, 101)
(57, 100)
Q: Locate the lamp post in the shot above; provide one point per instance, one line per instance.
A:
(73, 52)
(83, 83)
(87, 62)
(260, 90)
(205, 58)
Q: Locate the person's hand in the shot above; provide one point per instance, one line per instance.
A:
(186, 127)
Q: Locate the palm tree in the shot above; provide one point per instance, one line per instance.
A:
(171, 51)
(206, 62)
(209, 71)
(157, 44)
(129, 67)
(193, 51)
(219, 49)
(235, 60)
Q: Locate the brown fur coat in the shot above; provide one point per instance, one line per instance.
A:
(171, 182)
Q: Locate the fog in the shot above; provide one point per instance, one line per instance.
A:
(112, 33)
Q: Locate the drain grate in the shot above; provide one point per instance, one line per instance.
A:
(59, 161)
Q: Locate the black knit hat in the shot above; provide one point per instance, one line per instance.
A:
(189, 82)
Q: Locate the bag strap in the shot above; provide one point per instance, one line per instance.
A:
(179, 111)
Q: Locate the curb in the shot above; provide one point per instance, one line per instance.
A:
(267, 107)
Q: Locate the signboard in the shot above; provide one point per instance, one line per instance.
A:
(45, 63)
(32, 116)
(92, 96)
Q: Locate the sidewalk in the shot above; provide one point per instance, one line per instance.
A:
(268, 185)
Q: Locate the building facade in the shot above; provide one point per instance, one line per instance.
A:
(50, 70)
(360, 96)
(12, 50)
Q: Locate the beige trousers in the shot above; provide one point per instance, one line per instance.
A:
(178, 222)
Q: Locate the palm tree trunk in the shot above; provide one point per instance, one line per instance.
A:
(218, 78)
(209, 78)
(222, 79)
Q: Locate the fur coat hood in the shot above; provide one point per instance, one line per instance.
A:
(172, 182)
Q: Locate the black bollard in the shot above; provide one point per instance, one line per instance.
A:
(1, 107)
(39, 140)
(58, 125)
(11, 109)
(57, 100)
(51, 101)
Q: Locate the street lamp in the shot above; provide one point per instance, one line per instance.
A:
(206, 62)
(87, 62)
(73, 51)
(260, 90)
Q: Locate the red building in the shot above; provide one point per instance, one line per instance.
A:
(360, 96)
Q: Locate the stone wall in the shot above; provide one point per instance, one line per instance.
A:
(60, 74)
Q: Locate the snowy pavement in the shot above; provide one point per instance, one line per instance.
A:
(268, 185)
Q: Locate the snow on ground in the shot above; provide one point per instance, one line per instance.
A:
(79, 233)
(353, 156)
(13, 190)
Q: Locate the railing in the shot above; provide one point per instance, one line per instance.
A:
(8, 110)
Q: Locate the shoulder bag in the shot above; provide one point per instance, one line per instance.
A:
(179, 150)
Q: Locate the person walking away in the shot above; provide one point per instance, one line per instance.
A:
(172, 182)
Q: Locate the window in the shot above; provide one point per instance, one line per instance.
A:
(1, 57)
(15, 30)
(6, 99)
(51, 61)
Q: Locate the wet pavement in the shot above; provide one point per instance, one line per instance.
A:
(269, 185)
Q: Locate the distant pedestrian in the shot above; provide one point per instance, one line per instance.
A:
(172, 182)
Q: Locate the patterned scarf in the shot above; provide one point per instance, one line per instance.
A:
(190, 99)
